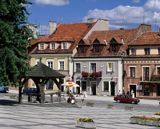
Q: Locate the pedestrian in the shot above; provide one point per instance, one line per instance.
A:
(132, 94)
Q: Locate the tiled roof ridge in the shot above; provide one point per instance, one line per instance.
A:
(140, 36)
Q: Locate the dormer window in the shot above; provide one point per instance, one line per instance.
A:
(147, 51)
(41, 46)
(52, 46)
(64, 45)
(133, 51)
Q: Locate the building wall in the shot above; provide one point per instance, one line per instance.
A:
(101, 65)
(139, 63)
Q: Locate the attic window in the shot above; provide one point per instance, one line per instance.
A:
(41, 46)
(52, 46)
(113, 47)
(133, 51)
(147, 51)
(96, 48)
(64, 45)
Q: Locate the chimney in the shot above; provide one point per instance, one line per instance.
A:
(143, 28)
(52, 27)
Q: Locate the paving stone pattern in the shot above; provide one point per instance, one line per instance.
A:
(64, 116)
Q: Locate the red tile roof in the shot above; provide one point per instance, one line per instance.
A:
(127, 35)
(121, 36)
(149, 38)
(67, 32)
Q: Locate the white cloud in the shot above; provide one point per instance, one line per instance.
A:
(119, 13)
(153, 4)
(128, 15)
(53, 2)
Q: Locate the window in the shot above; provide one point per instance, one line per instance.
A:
(78, 67)
(50, 63)
(93, 67)
(158, 70)
(82, 49)
(37, 61)
(96, 48)
(64, 45)
(147, 51)
(106, 86)
(145, 73)
(52, 46)
(41, 46)
(113, 48)
(132, 72)
(133, 51)
(61, 65)
(109, 67)
(159, 51)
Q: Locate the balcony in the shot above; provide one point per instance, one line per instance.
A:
(94, 74)
(155, 78)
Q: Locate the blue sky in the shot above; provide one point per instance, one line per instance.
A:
(120, 13)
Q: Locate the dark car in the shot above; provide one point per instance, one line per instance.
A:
(4, 89)
(126, 99)
(29, 90)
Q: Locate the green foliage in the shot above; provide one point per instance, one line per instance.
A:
(146, 118)
(85, 119)
(157, 113)
(13, 40)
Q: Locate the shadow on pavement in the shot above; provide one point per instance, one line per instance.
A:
(8, 102)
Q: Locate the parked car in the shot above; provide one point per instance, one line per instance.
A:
(126, 99)
(4, 89)
(29, 90)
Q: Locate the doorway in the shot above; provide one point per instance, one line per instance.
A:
(133, 87)
(112, 88)
(84, 85)
(93, 88)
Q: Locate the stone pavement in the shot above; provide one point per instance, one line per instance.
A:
(63, 115)
(53, 117)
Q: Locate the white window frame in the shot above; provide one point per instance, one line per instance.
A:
(64, 45)
(50, 60)
(76, 67)
(59, 64)
(157, 69)
(103, 86)
(130, 71)
(52, 46)
(90, 67)
(108, 69)
(142, 72)
(41, 46)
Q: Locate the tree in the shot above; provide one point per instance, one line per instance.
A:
(14, 37)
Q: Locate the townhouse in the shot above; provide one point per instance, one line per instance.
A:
(57, 48)
(98, 64)
(142, 66)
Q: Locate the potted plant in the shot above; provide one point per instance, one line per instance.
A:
(86, 123)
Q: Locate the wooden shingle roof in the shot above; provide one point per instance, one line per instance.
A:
(42, 71)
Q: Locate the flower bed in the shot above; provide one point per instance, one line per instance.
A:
(86, 123)
(144, 120)
(157, 113)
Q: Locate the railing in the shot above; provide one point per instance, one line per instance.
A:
(94, 74)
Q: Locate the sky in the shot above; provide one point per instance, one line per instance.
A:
(120, 13)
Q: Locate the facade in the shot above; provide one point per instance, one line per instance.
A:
(98, 64)
(56, 49)
(142, 66)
